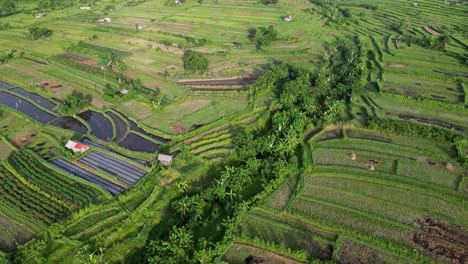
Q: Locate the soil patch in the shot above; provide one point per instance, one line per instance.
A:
(178, 128)
(452, 74)
(396, 65)
(353, 252)
(79, 59)
(442, 240)
(49, 85)
(130, 75)
(331, 134)
(153, 85)
(237, 80)
(268, 256)
(22, 140)
(432, 121)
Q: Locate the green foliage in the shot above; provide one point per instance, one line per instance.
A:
(75, 102)
(437, 42)
(32, 169)
(269, 2)
(413, 129)
(37, 33)
(332, 11)
(28, 198)
(7, 7)
(263, 36)
(59, 4)
(195, 62)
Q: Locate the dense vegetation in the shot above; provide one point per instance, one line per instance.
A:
(195, 62)
(301, 131)
(266, 157)
(75, 102)
(37, 33)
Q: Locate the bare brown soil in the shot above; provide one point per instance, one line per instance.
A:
(442, 240)
(452, 74)
(217, 88)
(331, 134)
(22, 140)
(178, 128)
(431, 121)
(73, 57)
(153, 85)
(49, 85)
(130, 75)
(395, 65)
(267, 255)
(79, 59)
(238, 80)
(352, 252)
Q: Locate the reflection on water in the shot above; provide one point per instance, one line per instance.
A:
(44, 102)
(101, 127)
(26, 107)
(68, 122)
(137, 143)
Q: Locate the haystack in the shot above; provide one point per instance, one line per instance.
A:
(369, 167)
(450, 167)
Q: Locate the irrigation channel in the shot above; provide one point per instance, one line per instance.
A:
(112, 173)
(127, 133)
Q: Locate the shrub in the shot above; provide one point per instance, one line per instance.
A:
(37, 33)
(195, 62)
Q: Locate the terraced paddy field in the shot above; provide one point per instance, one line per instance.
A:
(371, 172)
(366, 196)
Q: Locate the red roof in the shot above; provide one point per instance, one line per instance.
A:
(81, 146)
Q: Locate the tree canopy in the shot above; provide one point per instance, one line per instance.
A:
(74, 102)
(37, 33)
(195, 62)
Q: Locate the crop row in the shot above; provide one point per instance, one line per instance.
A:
(373, 145)
(215, 153)
(314, 229)
(124, 171)
(374, 205)
(352, 219)
(84, 223)
(340, 157)
(227, 143)
(28, 200)
(213, 137)
(387, 194)
(78, 171)
(392, 180)
(31, 168)
(257, 227)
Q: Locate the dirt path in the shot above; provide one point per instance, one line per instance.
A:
(270, 257)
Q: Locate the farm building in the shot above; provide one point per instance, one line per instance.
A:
(39, 15)
(165, 160)
(85, 7)
(76, 146)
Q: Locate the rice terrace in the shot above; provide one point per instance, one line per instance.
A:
(233, 131)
